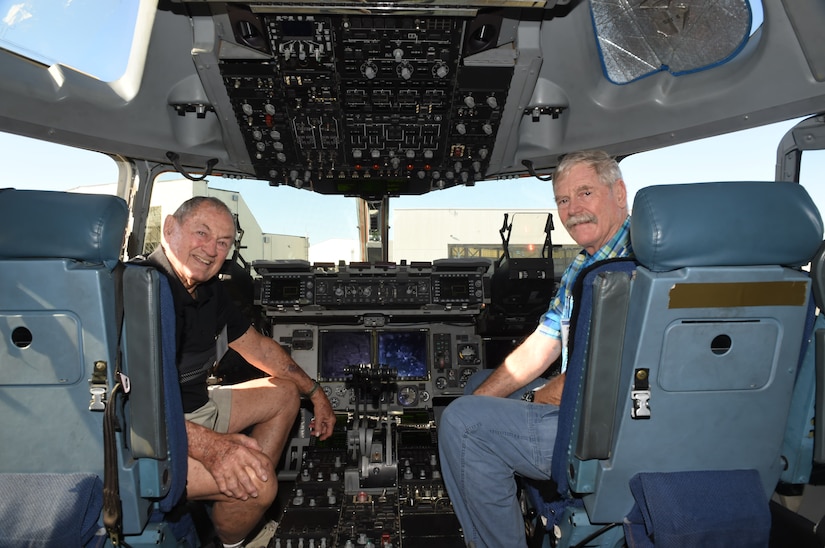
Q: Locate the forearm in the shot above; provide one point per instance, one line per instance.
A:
(233, 461)
(523, 365)
(500, 383)
(505, 380)
(284, 367)
(200, 441)
(268, 356)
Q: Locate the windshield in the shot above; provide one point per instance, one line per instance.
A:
(71, 33)
(288, 223)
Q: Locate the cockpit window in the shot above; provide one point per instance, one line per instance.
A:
(637, 39)
(92, 36)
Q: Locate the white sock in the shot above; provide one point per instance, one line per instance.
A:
(236, 545)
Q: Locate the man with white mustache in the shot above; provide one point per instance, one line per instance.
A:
(507, 423)
(234, 470)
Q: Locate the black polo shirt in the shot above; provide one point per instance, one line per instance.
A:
(198, 322)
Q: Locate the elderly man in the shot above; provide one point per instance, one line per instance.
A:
(235, 470)
(487, 437)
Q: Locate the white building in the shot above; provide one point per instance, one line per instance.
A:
(168, 195)
(428, 234)
(415, 234)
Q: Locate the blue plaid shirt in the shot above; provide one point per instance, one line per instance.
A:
(562, 304)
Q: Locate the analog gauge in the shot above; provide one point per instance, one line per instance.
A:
(468, 353)
(466, 373)
(424, 396)
(441, 383)
(407, 395)
(333, 401)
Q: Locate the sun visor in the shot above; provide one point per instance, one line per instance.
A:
(637, 39)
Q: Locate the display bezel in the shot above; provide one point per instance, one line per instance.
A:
(339, 348)
(407, 351)
(412, 349)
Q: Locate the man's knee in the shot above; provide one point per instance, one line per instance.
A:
(457, 417)
(263, 400)
(267, 491)
(235, 518)
(286, 394)
(293, 399)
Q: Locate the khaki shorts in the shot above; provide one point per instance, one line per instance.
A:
(215, 413)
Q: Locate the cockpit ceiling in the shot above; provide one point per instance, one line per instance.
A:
(378, 99)
(362, 103)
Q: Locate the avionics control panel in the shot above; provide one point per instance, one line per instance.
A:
(365, 105)
(426, 360)
(409, 331)
(447, 284)
(391, 345)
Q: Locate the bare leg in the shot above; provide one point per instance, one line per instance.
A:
(269, 406)
(233, 518)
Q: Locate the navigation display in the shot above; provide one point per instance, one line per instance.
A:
(339, 349)
(405, 351)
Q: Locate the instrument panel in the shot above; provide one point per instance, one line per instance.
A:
(405, 334)
(446, 284)
(425, 360)
(364, 105)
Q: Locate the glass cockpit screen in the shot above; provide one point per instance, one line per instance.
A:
(404, 351)
(341, 349)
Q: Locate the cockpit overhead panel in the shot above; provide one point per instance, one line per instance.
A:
(365, 105)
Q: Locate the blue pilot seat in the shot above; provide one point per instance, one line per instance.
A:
(682, 368)
(60, 309)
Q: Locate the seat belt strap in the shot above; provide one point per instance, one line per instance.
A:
(112, 506)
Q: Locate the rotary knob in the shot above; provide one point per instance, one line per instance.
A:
(369, 70)
(405, 70)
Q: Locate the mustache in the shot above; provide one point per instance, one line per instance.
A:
(580, 219)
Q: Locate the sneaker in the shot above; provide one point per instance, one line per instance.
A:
(261, 540)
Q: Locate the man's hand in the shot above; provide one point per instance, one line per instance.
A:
(235, 460)
(551, 392)
(323, 424)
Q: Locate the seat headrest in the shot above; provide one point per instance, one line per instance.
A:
(724, 224)
(37, 224)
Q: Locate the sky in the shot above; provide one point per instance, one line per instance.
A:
(746, 155)
(71, 31)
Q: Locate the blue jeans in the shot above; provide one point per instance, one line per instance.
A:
(484, 442)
